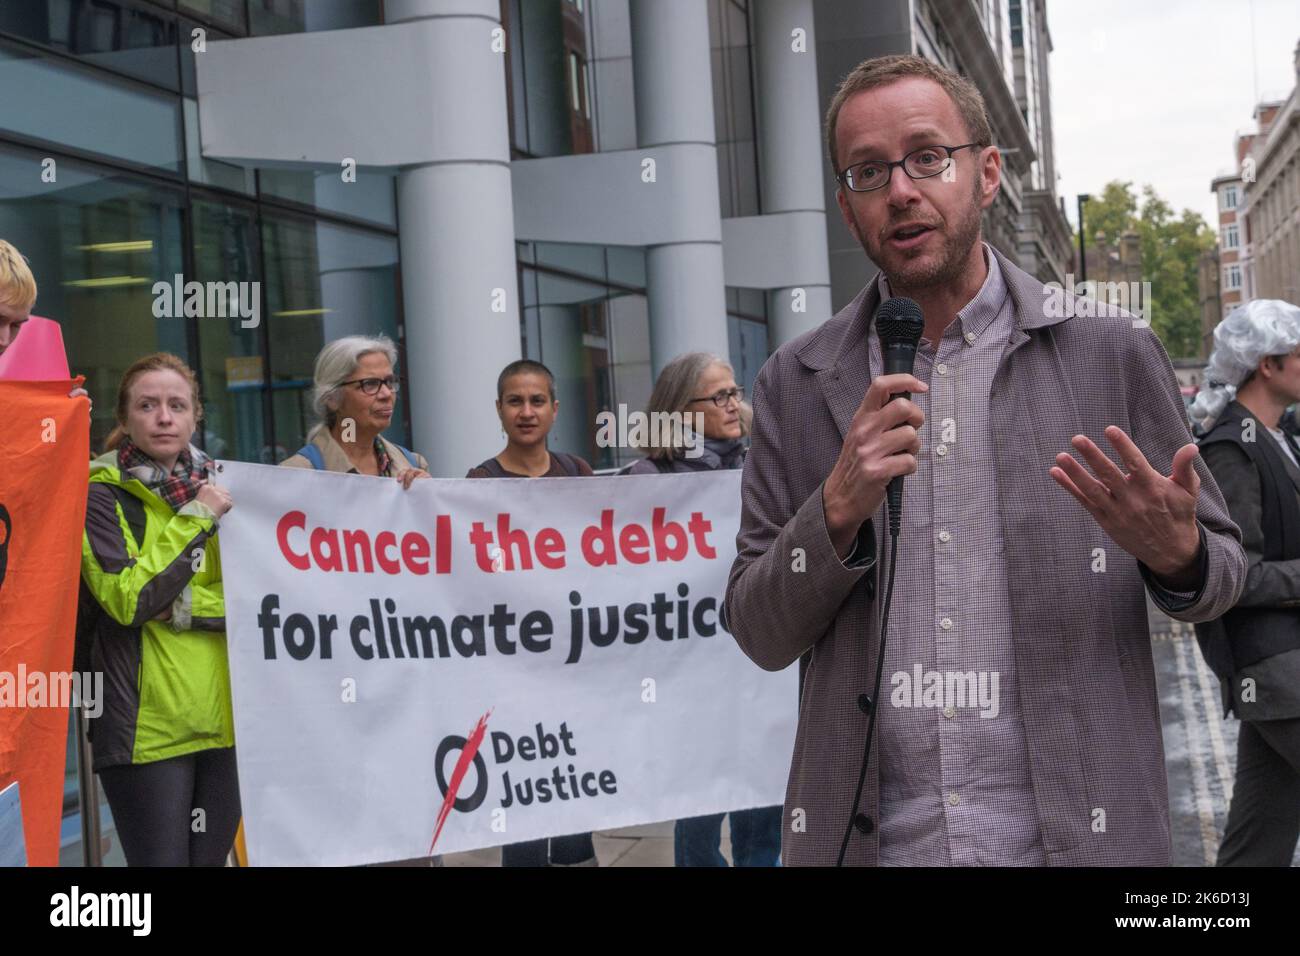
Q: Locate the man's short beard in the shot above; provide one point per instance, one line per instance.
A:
(916, 276)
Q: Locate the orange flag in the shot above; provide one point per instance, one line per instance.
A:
(44, 449)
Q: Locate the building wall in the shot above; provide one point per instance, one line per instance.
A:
(106, 193)
(1232, 280)
(1009, 65)
(1271, 198)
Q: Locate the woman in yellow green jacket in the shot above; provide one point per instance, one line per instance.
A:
(164, 744)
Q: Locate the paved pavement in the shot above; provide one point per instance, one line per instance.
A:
(649, 845)
(1200, 759)
(1200, 745)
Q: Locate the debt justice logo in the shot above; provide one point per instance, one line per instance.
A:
(557, 779)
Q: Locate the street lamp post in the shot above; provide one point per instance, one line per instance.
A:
(1083, 262)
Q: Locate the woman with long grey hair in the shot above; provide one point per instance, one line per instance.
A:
(698, 418)
(699, 421)
(355, 396)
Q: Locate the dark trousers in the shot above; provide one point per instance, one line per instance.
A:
(755, 838)
(565, 851)
(1264, 819)
(154, 808)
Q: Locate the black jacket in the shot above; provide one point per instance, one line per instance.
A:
(1262, 490)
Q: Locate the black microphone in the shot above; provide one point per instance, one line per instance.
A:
(899, 324)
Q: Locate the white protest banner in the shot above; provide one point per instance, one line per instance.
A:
(473, 663)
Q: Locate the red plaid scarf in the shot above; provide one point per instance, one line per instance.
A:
(178, 488)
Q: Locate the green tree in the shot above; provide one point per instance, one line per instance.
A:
(1171, 251)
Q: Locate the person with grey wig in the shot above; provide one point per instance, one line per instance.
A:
(355, 396)
(1253, 375)
(703, 423)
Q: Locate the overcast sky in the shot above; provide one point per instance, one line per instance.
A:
(1153, 91)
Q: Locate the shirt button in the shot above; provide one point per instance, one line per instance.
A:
(953, 799)
(970, 337)
(941, 368)
(945, 537)
(946, 624)
(941, 450)
(950, 711)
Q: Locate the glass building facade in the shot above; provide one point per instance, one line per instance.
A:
(103, 186)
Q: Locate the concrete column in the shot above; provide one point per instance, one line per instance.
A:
(790, 149)
(456, 230)
(673, 80)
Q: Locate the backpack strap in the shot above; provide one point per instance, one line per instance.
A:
(312, 454)
(412, 458)
(568, 463)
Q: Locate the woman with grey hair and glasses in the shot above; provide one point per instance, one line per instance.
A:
(703, 416)
(707, 420)
(355, 396)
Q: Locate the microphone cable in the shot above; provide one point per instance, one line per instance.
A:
(895, 522)
(900, 325)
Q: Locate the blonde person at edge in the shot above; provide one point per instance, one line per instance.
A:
(354, 397)
(17, 298)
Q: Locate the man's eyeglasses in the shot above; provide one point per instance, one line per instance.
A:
(919, 164)
(371, 386)
(721, 399)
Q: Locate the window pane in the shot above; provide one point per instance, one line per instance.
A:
(60, 103)
(305, 16)
(626, 265)
(211, 172)
(227, 13)
(573, 257)
(225, 250)
(629, 325)
(518, 97)
(96, 244)
(139, 42)
(748, 343)
(541, 44)
(186, 28)
(569, 324)
(323, 282)
(371, 197)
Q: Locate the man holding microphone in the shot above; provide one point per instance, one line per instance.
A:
(1003, 582)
